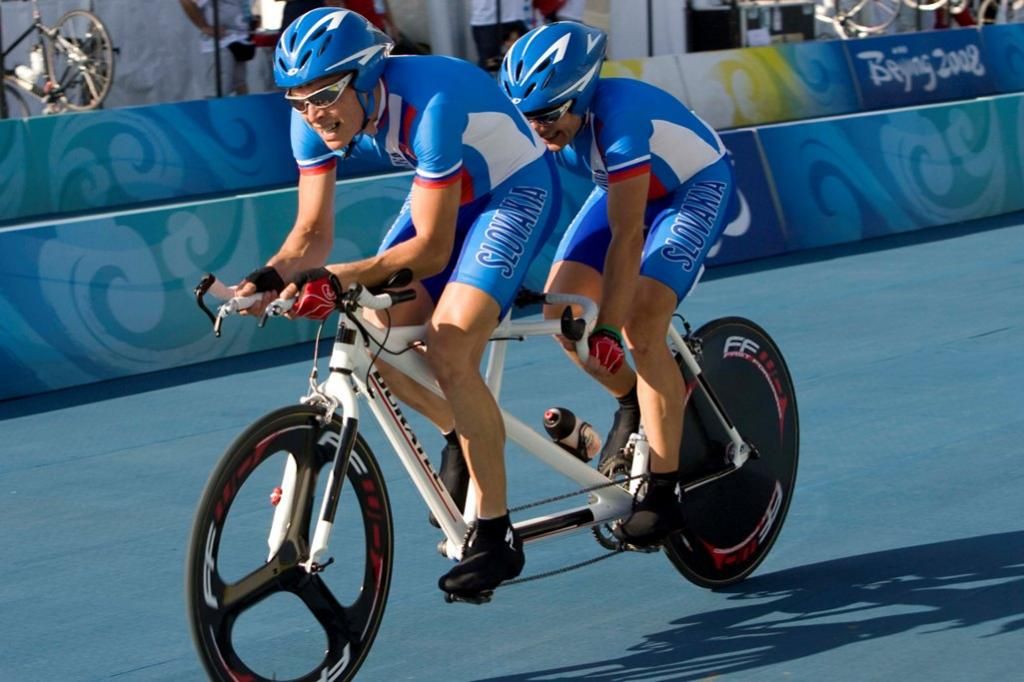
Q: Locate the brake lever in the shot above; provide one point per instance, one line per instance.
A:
(275, 308)
(204, 285)
(572, 328)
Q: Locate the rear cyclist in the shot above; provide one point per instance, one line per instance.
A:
(480, 206)
(662, 195)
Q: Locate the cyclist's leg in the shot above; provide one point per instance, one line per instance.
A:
(457, 335)
(504, 239)
(660, 387)
(496, 255)
(673, 260)
(418, 311)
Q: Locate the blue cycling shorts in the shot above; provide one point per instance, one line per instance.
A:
(681, 228)
(497, 235)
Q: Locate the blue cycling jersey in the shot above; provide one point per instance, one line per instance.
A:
(632, 128)
(441, 116)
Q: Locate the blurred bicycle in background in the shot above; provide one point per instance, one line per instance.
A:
(71, 65)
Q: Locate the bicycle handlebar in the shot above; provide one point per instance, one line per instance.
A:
(576, 330)
(357, 296)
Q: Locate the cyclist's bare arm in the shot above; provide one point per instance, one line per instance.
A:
(627, 201)
(434, 212)
(309, 242)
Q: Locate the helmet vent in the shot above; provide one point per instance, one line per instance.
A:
(305, 58)
(323, 46)
(547, 79)
(529, 90)
(519, 70)
(544, 64)
(508, 90)
(318, 32)
(291, 40)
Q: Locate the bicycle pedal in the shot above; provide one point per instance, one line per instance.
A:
(478, 598)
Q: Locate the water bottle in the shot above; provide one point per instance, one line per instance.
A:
(36, 62)
(29, 73)
(25, 75)
(575, 435)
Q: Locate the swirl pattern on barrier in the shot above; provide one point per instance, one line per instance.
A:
(859, 177)
(937, 164)
(109, 296)
(14, 194)
(111, 159)
(776, 83)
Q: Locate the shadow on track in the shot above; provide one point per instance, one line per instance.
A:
(804, 611)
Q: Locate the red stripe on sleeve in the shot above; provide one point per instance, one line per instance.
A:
(438, 183)
(318, 170)
(627, 173)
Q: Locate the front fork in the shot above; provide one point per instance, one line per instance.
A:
(284, 504)
(336, 395)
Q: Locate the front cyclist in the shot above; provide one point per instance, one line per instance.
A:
(662, 193)
(480, 206)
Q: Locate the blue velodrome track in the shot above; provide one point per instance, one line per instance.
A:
(902, 557)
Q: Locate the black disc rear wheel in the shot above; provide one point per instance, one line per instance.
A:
(255, 611)
(733, 522)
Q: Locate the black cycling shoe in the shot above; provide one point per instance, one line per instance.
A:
(625, 423)
(454, 473)
(493, 554)
(658, 514)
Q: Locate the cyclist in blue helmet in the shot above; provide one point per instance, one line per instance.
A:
(662, 197)
(472, 154)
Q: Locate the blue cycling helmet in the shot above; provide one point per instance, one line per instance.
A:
(553, 64)
(329, 40)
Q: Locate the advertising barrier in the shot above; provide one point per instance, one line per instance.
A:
(757, 232)
(663, 72)
(1004, 55)
(865, 176)
(98, 298)
(917, 68)
(108, 159)
(743, 87)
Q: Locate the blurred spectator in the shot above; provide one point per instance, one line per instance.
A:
(560, 10)
(293, 9)
(235, 21)
(376, 11)
(379, 14)
(493, 38)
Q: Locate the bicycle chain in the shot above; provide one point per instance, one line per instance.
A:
(571, 567)
(581, 491)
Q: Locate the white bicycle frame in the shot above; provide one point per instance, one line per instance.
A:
(352, 375)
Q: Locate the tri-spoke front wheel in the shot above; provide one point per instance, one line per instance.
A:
(257, 609)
